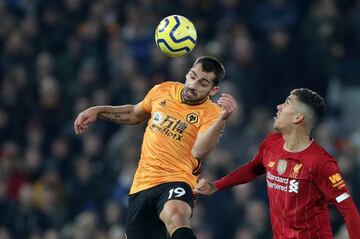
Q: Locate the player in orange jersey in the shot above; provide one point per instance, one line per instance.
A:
(183, 125)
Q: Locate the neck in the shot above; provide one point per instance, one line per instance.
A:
(296, 141)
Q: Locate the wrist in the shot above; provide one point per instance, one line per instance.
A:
(97, 110)
(222, 121)
(214, 189)
(217, 185)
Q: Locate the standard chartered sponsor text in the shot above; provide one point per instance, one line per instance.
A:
(276, 186)
(277, 178)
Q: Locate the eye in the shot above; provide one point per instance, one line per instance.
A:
(204, 83)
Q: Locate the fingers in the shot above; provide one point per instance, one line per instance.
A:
(203, 187)
(228, 105)
(80, 124)
(202, 182)
(76, 125)
(227, 102)
(80, 129)
(84, 119)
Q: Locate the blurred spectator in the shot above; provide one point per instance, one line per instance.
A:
(26, 218)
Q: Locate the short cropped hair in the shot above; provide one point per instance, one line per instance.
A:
(312, 100)
(211, 64)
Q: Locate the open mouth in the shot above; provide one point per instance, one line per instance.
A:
(190, 93)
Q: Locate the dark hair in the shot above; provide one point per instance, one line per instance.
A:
(211, 64)
(312, 100)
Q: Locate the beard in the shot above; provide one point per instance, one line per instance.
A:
(190, 97)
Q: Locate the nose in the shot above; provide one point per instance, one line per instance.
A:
(279, 107)
(192, 85)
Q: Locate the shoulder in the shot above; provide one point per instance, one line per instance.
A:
(165, 88)
(272, 139)
(169, 85)
(321, 156)
(210, 105)
(208, 110)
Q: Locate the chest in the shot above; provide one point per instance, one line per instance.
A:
(287, 174)
(174, 119)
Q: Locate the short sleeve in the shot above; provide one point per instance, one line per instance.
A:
(210, 120)
(145, 104)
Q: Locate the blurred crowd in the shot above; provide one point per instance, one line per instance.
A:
(58, 57)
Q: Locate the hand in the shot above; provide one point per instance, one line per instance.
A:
(228, 105)
(84, 119)
(204, 187)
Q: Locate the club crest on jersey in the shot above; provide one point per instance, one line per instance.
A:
(296, 170)
(157, 118)
(192, 118)
(281, 167)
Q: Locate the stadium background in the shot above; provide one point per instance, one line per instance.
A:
(59, 57)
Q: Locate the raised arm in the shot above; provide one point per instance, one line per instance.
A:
(124, 114)
(207, 140)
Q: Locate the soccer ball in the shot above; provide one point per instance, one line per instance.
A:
(175, 36)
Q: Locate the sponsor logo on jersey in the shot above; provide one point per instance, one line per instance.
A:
(271, 164)
(337, 181)
(335, 178)
(294, 186)
(163, 103)
(281, 183)
(192, 118)
(281, 167)
(169, 126)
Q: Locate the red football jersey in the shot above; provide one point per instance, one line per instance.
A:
(300, 186)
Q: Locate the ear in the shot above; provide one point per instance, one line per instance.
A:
(300, 117)
(214, 90)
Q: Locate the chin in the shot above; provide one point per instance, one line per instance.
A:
(195, 100)
(190, 101)
(276, 127)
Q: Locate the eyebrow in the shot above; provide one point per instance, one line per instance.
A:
(208, 81)
(193, 72)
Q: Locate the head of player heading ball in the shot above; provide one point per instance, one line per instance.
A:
(175, 36)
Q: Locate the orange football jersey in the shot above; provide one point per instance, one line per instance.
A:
(169, 137)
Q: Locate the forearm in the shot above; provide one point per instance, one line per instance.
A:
(243, 174)
(118, 114)
(351, 216)
(208, 139)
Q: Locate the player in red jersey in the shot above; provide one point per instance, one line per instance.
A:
(302, 178)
